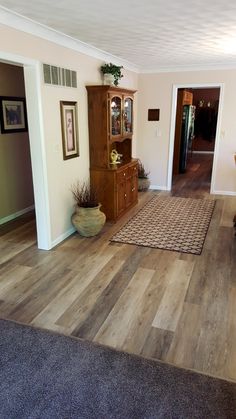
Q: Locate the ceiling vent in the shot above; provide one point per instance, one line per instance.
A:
(58, 76)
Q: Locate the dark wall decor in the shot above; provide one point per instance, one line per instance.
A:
(153, 114)
(13, 115)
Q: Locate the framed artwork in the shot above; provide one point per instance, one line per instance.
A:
(13, 115)
(69, 126)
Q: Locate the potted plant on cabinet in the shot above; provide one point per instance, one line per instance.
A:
(88, 219)
(143, 180)
(112, 73)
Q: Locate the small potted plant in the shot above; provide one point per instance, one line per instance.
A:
(143, 180)
(112, 73)
(88, 219)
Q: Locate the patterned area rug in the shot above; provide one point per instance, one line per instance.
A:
(171, 223)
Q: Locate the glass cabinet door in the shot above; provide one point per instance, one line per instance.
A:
(116, 115)
(128, 115)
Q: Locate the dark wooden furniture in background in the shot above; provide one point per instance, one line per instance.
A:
(234, 219)
(110, 116)
(184, 98)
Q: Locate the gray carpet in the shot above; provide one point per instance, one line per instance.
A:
(46, 375)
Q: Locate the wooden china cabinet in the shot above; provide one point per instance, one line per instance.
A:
(110, 116)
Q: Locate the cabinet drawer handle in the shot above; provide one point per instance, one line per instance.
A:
(125, 195)
(124, 174)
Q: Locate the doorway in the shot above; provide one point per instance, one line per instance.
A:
(32, 77)
(16, 187)
(194, 137)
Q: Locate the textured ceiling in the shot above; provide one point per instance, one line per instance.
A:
(154, 35)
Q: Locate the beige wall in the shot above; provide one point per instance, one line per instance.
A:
(155, 91)
(16, 189)
(61, 174)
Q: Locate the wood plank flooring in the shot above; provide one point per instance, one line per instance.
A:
(176, 307)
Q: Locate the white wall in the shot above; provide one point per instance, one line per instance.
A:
(61, 173)
(155, 91)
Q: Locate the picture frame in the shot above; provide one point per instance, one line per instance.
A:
(13, 115)
(69, 126)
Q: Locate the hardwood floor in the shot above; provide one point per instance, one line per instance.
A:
(196, 181)
(176, 307)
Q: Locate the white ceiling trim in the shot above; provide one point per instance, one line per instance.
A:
(17, 21)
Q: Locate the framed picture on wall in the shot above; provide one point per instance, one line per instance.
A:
(69, 126)
(13, 116)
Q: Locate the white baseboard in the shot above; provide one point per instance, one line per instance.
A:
(159, 188)
(16, 215)
(62, 237)
(228, 193)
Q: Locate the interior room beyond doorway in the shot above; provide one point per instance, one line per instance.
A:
(17, 197)
(195, 133)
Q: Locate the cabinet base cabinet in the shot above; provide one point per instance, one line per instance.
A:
(117, 188)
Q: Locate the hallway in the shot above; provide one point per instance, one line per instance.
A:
(196, 181)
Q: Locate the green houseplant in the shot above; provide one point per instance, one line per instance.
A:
(114, 70)
(143, 180)
(88, 219)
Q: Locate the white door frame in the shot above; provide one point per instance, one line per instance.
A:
(172, 128)
(32, 75)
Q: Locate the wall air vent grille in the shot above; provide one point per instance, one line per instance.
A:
(58, 76)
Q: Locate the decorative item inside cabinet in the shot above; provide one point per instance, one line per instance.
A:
(124, 148)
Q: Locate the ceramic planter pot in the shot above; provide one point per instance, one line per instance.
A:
(143, 184)
(108, 79)
(88, 221)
